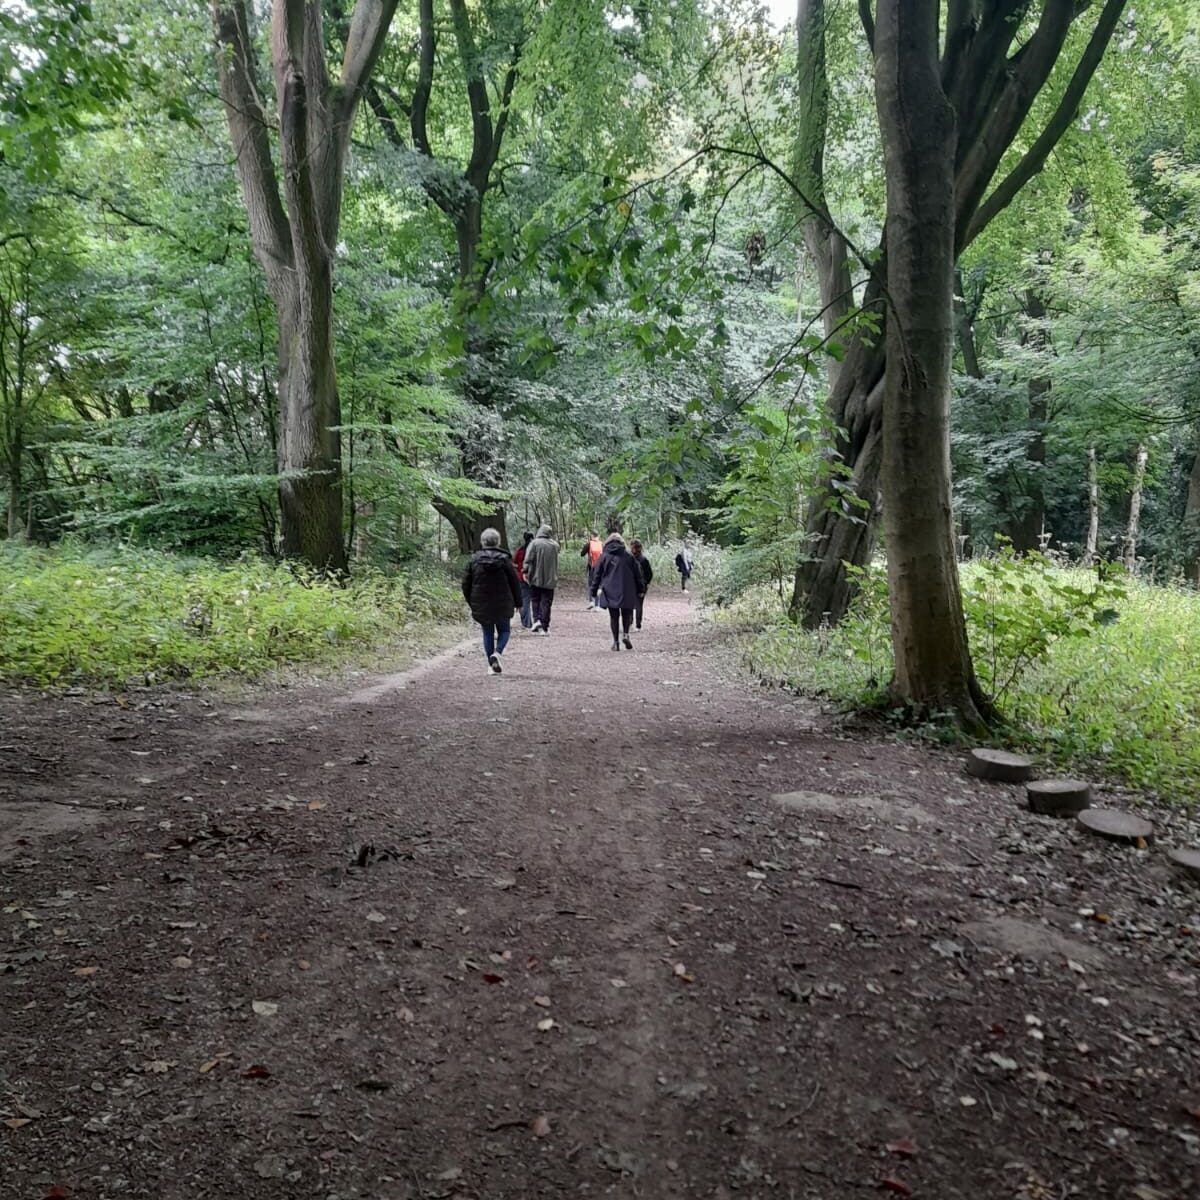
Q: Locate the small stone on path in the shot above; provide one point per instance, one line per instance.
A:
(1187, 860)
(999, 766)
(1116, 826)
(1058, 797)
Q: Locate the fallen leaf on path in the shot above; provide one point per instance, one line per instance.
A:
(894, 1185)
(256, 1071)
(375, 917)
(618, 983)
(303, 964)
(264, 1008)
(182, 962)
(967, 1101)
(546, 1024)
(159, 1066)
(17, 1122)
(57, 1193)
(681, 973)
(542, 1001)
(451, 1173)
(85, 971)
(406, 1015)
(904, 1146)
(541, 1126)
(489, 977)
(205, 1067)
(1005, 1064)
(315, 805)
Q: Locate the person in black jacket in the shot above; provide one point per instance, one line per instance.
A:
(618, 585)
(492, 589)
(647, 573)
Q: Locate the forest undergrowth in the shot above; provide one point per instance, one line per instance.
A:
(1092, 672)
(121, 616)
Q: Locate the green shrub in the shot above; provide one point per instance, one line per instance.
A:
(1090, 670)
(122, 616)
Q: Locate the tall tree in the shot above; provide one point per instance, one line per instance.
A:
(933, 671)
(294, 236)
(996, 58)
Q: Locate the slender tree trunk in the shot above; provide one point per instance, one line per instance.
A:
(1093, 532)
(16, 498)
(933, 672)
(1191, 521)
(1129, 545)
(1025, 525)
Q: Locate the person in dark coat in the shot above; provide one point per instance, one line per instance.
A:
(492, 589)
(647, 572)
(618, 585)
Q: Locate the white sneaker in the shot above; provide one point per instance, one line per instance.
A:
(537, 627)
(494, 664)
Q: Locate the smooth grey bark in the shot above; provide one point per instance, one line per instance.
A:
(991, 73)
(933, 671)
(1191, 520)
(1129, 542)
(294, 235)
(1091, 545)
(1025, 525)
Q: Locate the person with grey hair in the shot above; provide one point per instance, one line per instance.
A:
(541, 570)
(493, 591)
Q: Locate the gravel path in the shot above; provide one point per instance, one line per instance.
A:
(610, 924)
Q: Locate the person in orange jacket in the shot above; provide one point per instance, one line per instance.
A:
(592, 549)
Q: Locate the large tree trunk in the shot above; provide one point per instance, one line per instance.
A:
(933, 672)
(469, 525)
(1093, 531)
(293, 237)
(1191, 521)
(1129, 544)
(991, 91)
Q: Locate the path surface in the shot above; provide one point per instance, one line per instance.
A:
(589, 954)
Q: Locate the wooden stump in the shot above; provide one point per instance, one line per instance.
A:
(1058, 797)
(1187, 861)
(999, 766)
(1116, 826)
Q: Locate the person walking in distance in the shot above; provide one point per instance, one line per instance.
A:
(647, 573)
(618, 585)
(684, 564)
(541, 570)
(492, 589)
(526, 595)
(592, 549)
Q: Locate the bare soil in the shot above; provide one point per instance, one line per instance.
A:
(610, 924)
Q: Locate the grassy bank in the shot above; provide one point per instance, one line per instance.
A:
(119, 617)
(1119, 694)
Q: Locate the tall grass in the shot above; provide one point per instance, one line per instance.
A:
(1124, 700)
(78, 615)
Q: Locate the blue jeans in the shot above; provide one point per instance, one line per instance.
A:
(495, 637)
(526, 605)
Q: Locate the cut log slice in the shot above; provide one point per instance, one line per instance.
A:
(1058, 797)
(999, 766)
(1116, 826)
(1187, 861)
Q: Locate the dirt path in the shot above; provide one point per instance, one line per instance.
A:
(555, 934)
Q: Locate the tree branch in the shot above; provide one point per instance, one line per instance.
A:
(506, 92)
(238, 80)
(421, 93)
(481, 115)
(1058, 124)
(868, 22)
(368, 29)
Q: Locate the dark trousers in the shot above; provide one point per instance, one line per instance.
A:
(638, 611)
(622, 615)
(542, 599)
(526, 605)
(684, 576)
(591, 585)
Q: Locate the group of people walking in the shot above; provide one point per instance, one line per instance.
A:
(496, 585)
